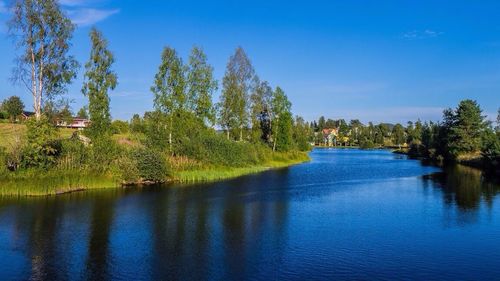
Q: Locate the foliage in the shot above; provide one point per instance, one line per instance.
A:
(42, 33)
(169, 91)
(465, 127)
(119, 127)
(99, 79)
(282, 123)
(398, 134)
(491, 151)
(215, 149)
(83, 113)
(302, 134)
(366, 144)
(42, 147)
(261, 111)
(137, 124)
(234, 100)
(200, 86)
(73, 155)
(13, 106)
(151, 165)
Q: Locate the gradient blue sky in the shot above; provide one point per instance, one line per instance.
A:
(374, 60)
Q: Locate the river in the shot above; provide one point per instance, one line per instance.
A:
(347, 214)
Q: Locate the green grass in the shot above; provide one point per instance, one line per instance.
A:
(9, 132)
(40, 183)
(53, 182)
(210, 174)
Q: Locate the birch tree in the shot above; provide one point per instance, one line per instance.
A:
(42, 35)
(169, 89)
(200, 86)
(236, 86)
(99, 79)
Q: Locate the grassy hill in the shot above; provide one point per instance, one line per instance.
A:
(9, 132)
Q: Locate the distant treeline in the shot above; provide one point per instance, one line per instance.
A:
(464, 135)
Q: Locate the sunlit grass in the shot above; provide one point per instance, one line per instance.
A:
(38, 183)
(9, 132)
(209, 174)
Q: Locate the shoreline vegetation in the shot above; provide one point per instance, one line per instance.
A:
(34, 183)
(186, 137)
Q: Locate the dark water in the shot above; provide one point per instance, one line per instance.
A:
(348, 214)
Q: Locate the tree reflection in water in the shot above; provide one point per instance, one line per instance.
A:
(465, 188)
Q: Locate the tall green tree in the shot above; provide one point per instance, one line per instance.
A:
(82, 113)
(261, 99)
(398, 135)
(200, 86)
(169, 90)
(466, 126)
(236, 86)
(99, 80)
(14, 107)
(282, 122)
(302, 134)
(42, 35)
(356, 128)
(321, 123)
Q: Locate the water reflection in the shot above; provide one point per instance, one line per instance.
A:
(464, 187)
(320, 220)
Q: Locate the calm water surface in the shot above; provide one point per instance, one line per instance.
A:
(348, 214)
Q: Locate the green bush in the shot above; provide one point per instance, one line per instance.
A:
(42, 147)
(150, 165)
(212, 148)
(366, 144)
(74, 154)
(119, 127)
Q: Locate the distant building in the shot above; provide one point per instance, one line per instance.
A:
(27, 115)
(76, 123)
(330, 136)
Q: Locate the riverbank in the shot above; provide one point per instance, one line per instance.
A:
(222, 173)
(473, 160)
(57, 182)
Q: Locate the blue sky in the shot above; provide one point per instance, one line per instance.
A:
(388, 61)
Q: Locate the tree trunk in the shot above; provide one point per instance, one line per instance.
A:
(241, 133)
(170, 136)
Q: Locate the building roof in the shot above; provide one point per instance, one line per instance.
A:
(28, 113)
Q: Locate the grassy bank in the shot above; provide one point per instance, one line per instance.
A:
(54, 182)
(37, 183)
(219, 173)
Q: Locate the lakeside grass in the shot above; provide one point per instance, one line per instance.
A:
(54, 182)
(221, 173)
(38, 183)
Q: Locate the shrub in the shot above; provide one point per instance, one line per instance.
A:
(212, 148)
(150, 164)
(74, 154)
(119, 127)
(127, 170)
(366, 144)
(41, 147)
